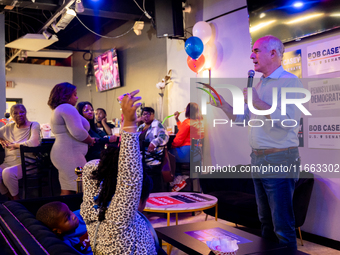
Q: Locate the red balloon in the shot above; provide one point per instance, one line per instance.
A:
(196, 65)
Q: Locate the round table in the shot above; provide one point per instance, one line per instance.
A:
(179, 202)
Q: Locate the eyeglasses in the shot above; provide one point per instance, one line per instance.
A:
(146, 113)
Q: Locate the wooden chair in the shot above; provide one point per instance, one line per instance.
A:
(36, 167)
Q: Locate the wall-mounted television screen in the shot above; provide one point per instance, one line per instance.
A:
(292, 19)
(106, 71)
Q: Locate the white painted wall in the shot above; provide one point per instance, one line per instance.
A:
(214, 8)
(33, 83)
(232, 40)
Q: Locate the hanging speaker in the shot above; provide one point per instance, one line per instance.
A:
(169, 18)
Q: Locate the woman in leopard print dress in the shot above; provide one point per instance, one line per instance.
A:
(122, 230)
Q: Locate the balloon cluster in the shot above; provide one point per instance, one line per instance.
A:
(194, 46)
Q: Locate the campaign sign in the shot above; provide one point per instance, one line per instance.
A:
(164, 200)
(323, 57)
(291, 62)
(324, 133)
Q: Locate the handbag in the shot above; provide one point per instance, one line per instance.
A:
(168, 166)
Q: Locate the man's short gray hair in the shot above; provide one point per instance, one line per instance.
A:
(274, 43)
(15, 106)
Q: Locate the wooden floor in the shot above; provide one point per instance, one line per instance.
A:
(159, 220)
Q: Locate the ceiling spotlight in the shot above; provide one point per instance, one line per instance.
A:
(55, 28)
(47, 35)
(298, 4)
(66, 18)
(79, 6)
(138, 27)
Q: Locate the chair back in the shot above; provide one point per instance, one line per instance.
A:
(301, 198)
(196, 150)
(36, 164)
(2, 155)
(161, 173)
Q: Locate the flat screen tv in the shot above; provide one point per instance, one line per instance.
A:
(292, 19)
(106, 71)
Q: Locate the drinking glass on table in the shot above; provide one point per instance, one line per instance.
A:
(169, 130)
(116, 131)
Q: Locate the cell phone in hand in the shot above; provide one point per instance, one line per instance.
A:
(120, 98)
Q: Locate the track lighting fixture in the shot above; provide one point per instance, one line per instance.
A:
(66, 18)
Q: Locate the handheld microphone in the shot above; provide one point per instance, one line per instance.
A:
(251, 74)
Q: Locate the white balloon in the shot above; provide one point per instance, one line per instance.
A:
(203, 31)
(210, 54)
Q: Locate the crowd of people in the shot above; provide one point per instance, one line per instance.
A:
(116, 187)
(81, 134)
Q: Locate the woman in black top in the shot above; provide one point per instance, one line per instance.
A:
(86, 110)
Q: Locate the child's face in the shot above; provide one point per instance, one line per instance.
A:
(67, 220)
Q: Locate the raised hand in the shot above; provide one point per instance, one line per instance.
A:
(129, 108)
(103, 121)
(218, 104)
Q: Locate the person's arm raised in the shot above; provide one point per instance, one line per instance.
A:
(129, 111)
(226, 108)
(176, 115)
(130, 170)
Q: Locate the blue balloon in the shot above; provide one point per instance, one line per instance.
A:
(194, 47)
